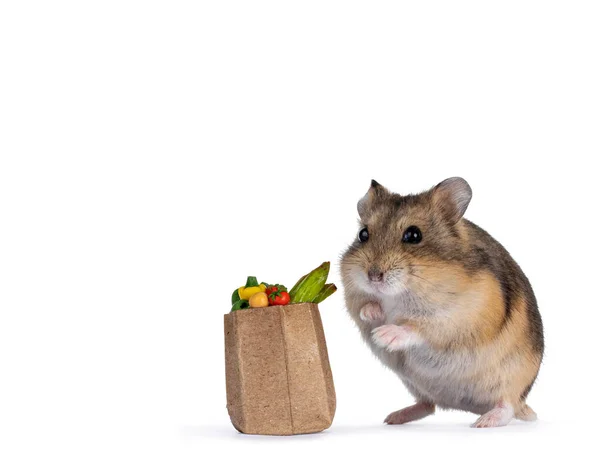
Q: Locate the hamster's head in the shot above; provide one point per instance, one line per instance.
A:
(404, 241)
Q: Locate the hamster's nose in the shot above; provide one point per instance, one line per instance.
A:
(375, 274)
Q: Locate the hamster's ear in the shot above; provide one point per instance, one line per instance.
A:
(452, 196)
(365, 204)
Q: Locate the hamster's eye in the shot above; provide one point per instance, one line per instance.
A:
(363, 235)
(412, 235)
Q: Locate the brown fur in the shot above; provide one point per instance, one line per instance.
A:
(460, 290)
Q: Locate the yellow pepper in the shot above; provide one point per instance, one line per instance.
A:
(247, 292)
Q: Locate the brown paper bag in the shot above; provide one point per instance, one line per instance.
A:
(277, 369)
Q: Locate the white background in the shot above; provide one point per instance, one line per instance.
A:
(154, 154)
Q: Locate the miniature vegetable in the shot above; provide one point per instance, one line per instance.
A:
(325, 292)
(251, 288)
(278, 295)
(246, 293)
(240, 304)
(258, 300)
(307, 287)
(235, 297)
(310, 288)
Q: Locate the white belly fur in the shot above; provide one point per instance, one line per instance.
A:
(450, 379)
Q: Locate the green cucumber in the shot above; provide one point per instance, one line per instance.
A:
(327, 290)
(307, 287)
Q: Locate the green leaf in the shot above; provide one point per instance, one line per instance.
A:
(235, 297)
(281, 288)
(240, 304)
(251, 282)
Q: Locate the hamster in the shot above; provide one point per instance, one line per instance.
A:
(443, 305)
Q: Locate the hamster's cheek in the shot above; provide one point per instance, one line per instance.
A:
(360, 280)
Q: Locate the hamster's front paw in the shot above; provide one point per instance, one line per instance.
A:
(371, 312)
(394, 337)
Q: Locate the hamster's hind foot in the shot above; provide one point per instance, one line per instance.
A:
(410, 413)
(526, 413)
(499, 416)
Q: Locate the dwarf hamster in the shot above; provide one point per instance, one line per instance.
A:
(443, 305)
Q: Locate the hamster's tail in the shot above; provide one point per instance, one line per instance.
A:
(525, 413)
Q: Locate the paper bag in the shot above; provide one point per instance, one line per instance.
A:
(278, 376)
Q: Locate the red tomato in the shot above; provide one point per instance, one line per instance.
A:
(281, 298)
(270, 289)
(277, 294)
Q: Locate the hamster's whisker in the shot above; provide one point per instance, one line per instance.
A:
(421, 278)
